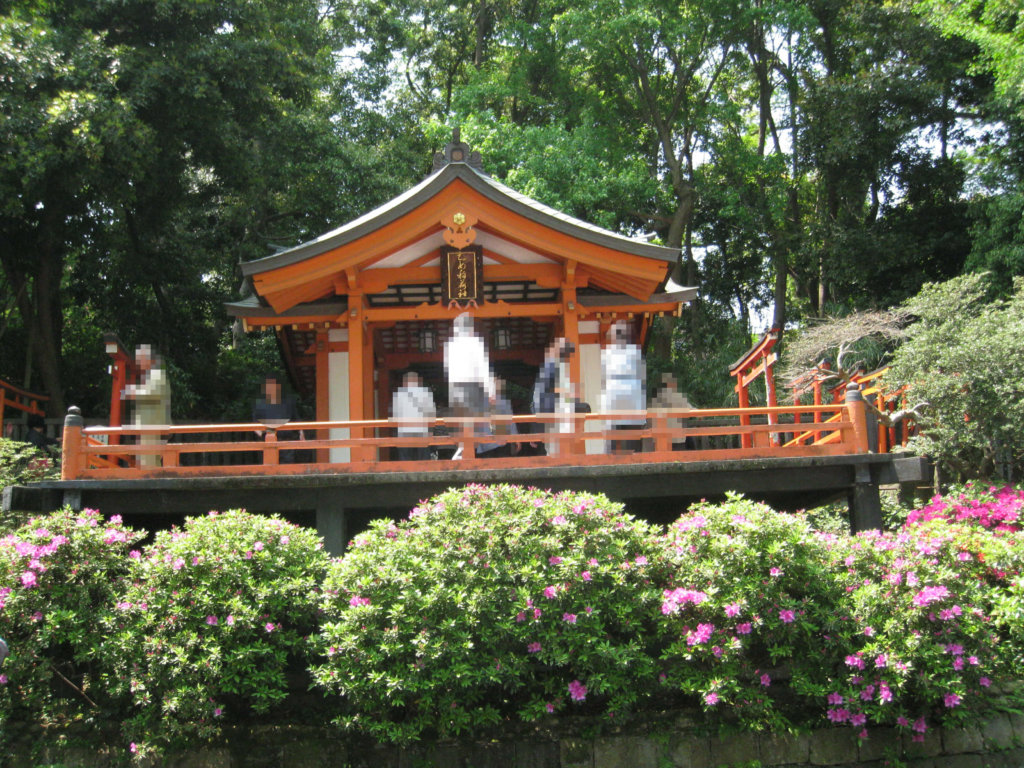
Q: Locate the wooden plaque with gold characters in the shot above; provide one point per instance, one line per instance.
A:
(462, 275)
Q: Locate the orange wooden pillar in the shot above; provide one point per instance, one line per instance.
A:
(356, 372)
(73, 459)
(122, 373)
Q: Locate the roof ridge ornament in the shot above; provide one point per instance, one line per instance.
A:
(458, 151)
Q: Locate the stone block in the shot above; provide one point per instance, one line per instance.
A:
(736, 748)
(1017, 723)
(537, 754)
(201, 758)
(689, 751)
(785, 749)
(576, 753)
(490, 754)
(832, 746)
(962, 740)
(631, 751)
(959, 761)
(997, 732)
(881, 744)
(931, 746)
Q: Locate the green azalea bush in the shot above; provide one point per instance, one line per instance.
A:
(750, 594)
(210, 622)
(490, 603)
(59, 574)
(776, 625)
(920, 641)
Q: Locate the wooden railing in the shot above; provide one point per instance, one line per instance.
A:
(20, 400)
(365, 446)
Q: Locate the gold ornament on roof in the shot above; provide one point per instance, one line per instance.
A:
(459, 230)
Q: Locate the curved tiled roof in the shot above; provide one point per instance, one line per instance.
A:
(486, 186)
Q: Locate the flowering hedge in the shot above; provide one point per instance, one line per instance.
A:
(490, 603)
(210, 621)
(58, 575)
(998, 509)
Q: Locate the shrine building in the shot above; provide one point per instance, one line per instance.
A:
(357, 307)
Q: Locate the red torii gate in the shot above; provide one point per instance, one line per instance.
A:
(19, 399)
(759, 359)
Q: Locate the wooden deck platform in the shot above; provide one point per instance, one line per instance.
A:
(791, 457)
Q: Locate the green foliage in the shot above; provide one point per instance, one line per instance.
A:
(705, 342)
(490, 603)
(749, 595)
(878, 629)
(962, 359)
(210, 622)
(59, 575)
(24, 463)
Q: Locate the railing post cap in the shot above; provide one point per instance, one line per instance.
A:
(74, 417)
(853, 392)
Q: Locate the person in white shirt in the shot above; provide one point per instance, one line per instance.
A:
(624, 377)
(413, 403)
(470, 379)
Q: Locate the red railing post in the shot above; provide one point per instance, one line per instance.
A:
(857, 411)
(72, 445)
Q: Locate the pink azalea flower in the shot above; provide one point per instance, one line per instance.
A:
(732, 610)
(920, 726)
(835, 698)
(586, 576)
(743, 629)
(766, 680)
(230, 620)
(569, 618)
(258, 546)
(549, 707)
(550, 592)
(774, 571)
(533, 648)
(858, 719)
(711, 698)
(521, 617)
(28, 579)
(356, 602)
(786, 616)
(211, 620)
(951, 700)
(269, 627)
(554, 560)
(984, 682)
(641, 560)
(577, 690)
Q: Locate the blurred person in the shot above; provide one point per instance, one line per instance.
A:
(502, 407)
(553, 390)
(669, 397)
(623, 376)
(152, 396)
(272, 408)
(414, 403)
(470, 380)
(37, 436)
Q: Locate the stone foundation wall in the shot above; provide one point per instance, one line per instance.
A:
(997, 743)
